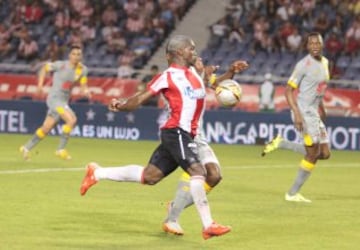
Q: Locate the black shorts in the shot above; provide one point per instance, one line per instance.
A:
(177, 148)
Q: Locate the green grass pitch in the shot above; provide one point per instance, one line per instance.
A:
(41, 208)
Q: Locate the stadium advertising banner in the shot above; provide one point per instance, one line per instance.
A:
(247, 128)
(340, 102)
(221, 126)
(94, 121)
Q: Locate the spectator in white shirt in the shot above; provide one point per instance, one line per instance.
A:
(28, 48)
(266, 94)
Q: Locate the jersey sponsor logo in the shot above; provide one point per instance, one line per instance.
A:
(320, 90)
(66, 85)
(194, 93)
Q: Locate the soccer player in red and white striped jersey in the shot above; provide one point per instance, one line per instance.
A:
(184, 90)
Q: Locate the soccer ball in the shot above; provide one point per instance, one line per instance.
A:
(228, 93)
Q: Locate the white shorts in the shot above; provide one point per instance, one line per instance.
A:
(206, 154)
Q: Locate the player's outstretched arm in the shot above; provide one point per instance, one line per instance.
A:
(236, 67)
(131, 103)
(41, 78)
(290, 97)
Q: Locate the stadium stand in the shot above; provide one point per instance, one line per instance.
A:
(271, 33)
(110, 31)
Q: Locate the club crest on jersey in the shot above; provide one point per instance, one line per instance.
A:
(194, 93)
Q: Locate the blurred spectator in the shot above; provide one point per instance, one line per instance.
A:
(125, 70)
(127, 57)
(75, 37)
(15, 24)
(52, 52)
(5, 45)
(260, 27)
(333, 46)
(21, 33)
(28, 48)
(335, 72)
(354, 7)
(322, 23)
(294, 41)
(108, 31)
(87, 12)
(219, 31)
(266, 95)
(62, 16)
(76, 22)
(235, 8)
(109, 15)
(265, 44)
(282, 35)
(116, 43)
(338, 25)
(352, 38)
(142, 44)
(4, 33)
(134, 25)
(271, 7)
(33, 12)
(61, 39)
(130, 7)
(237, 34)
(88, 30)
(285, 11)
(308, 5)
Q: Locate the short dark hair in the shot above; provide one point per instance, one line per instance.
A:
(75, 46)
(154, 67)
(311, 34)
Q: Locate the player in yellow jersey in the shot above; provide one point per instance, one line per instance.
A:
(66, 75)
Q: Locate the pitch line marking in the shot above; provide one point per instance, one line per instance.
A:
(243, 167)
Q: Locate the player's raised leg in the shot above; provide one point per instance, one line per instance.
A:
(280, 143)
(39, 134)
(95, 173)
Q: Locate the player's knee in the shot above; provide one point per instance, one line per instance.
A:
(151, 176)
(324, 155)
(213, 180)
(72, 122)
(150, 180)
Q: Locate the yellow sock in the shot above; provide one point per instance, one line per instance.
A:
(40, 133)
(307, 165)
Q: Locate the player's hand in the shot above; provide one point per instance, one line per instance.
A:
(115, 104)
(112, 105)
(298, 123)
(238, 66)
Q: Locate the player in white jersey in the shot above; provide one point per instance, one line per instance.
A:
(310, 78)
(206, 155)
(66, 75)
(183, 89)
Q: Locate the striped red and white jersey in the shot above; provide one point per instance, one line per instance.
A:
(184, 92)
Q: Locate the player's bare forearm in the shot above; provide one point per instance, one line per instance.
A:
(131, 103)
(41, 77)
(289, 94)
(322, 111)
(235, 67)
